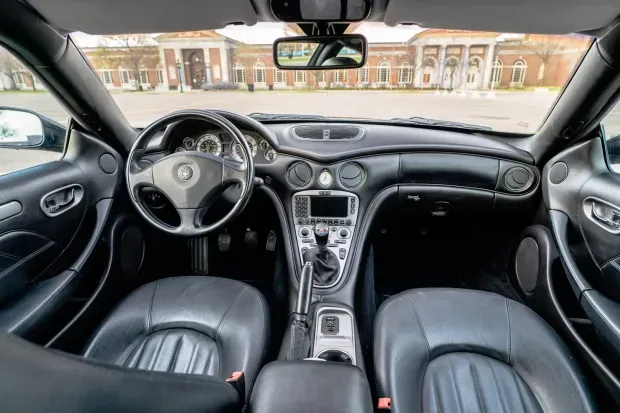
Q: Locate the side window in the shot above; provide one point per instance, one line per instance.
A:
(32, 123)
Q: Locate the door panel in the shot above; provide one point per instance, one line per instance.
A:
(56, 199)
(582, 206)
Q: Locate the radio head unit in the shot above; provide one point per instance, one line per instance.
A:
(324, 206)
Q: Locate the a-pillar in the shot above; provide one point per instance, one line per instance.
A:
(442, 64)
(464, 66)
(488, 67)
(419, 54)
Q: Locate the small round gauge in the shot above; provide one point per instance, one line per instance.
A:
(270, 155)
(237, 152)
(209, 144)
(325, 178)
(180, 149)
(263, 145)
(188, 143)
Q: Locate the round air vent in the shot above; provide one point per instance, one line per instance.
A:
(351, 175)
(299, 174)
(518, 179)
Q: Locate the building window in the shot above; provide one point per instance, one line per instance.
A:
(125, 76)
(340, 76)
(279, 76)
(259, 72)
(383, 72)
(496, 71)
(106, 76)
(300, 76)
(238, 73)
(144, 76)
(518, 72)
(405, 73)
(362, 75)
(160, 76)
(320, 77)
(18, 78)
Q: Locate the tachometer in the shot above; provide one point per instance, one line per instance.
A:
(237, 152)
(209, 144)
(188, 143)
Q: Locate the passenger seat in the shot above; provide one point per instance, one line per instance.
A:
(451, 350)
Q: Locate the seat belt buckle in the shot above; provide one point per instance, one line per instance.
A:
(384, 403)
(237, 380)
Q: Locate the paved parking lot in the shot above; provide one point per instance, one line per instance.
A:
(512, 111)
(509, 111)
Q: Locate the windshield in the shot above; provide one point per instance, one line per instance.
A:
(507, 82)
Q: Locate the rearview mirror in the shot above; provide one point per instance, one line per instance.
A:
(20, 129)
(320, 52)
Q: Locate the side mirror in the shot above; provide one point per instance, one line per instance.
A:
(320, 52)
(21, 128)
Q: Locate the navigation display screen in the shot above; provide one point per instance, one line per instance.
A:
(328, 206)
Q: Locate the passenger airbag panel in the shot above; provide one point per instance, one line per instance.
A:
(449, 169)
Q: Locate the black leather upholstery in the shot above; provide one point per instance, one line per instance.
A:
(440, 350)
(311, 387)
(197, 325)
(34, 379)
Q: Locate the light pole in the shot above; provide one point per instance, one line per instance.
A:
(179, 67)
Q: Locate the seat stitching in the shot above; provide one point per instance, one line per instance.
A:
(191, 358)
(217, 331)
(499, 393)
(472, 369)
(428, 347)
(149, 318)
(176, 352)
(509, 331)
(156, 355)
(456, 388)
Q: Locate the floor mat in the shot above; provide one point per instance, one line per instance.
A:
(477, 261)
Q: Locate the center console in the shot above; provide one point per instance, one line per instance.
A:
(337, 209)
(334, 335)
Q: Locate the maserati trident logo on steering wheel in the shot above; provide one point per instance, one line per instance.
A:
(185, 172)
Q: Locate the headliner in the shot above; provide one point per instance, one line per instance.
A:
(157, 16)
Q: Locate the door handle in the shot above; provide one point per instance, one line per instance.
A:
(604, 214)
(61, 200)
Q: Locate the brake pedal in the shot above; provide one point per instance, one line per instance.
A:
(223, 241)
(251, 239)
(272, 238)
(199, 252)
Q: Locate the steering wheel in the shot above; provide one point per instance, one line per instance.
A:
(192, 181)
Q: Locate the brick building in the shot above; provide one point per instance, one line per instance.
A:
(428, 59)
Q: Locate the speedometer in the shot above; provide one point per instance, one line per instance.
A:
(209, 144)
(237, 152)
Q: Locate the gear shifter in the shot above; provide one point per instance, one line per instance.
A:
(326, 264)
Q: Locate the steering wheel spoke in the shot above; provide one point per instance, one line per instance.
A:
(234, 173)
(139, 178)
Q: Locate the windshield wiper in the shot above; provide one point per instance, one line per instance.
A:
(282, 116)
(417, 120)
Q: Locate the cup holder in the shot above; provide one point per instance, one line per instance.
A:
(337, 356)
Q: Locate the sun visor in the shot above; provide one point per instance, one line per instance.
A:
(143, 16)
(505, 16)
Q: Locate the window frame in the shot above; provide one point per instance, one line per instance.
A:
(239, 69)
(405, 68)
(520, 67)
(384, 67)
(259, 67)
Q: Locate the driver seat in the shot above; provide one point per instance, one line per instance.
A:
(189, 325)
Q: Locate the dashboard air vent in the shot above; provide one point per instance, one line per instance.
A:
(326, 132)
(351, 175)
(299, 174)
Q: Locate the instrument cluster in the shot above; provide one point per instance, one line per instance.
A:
(219, 143)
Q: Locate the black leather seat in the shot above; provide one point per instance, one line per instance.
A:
(193, 325)
(439, 350)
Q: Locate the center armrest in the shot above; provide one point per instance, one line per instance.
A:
(311, 386)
